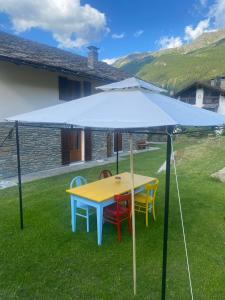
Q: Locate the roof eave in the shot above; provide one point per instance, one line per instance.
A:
(50, 68)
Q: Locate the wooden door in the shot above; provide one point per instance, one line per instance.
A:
(71, 145)
(75, 146)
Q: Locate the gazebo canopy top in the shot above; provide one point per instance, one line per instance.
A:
(124, 108)
(131, 83)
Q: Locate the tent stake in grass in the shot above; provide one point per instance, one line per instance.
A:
(19, 174)
(166, 213)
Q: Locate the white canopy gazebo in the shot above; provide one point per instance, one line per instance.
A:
(131, 106)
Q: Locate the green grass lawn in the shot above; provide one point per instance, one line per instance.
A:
(47, 261)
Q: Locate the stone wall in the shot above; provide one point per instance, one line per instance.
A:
(40, 149)
(99, 145)
(136, 139)
(101, 139)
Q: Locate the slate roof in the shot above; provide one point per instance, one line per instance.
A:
(21, 51)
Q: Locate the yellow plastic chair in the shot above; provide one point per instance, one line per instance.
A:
(143, 199)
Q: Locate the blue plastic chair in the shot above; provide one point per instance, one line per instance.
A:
(78, 181)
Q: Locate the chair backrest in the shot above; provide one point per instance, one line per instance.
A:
(77, 181)
(123, 200)
(151, 189)
(105, 174)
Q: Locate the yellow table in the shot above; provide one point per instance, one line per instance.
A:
(100, 194)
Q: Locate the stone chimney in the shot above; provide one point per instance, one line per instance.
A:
(92, 56)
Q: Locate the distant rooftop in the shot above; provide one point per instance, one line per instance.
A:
(21, 51)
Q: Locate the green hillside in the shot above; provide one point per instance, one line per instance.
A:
(176, 68)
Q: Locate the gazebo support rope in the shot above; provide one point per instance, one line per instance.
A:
(19, 175)
(6, 138)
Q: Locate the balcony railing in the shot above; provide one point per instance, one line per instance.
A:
(211, 100)
(190, 100)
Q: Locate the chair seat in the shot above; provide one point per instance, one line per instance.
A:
(111, 210)
(141, 198)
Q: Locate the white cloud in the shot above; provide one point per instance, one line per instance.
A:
(215, 20)
(217, 13)
(110, 61)
(170, 42)
(203, 2)
(118, 36)
(138, 33)
(192, 33)
(72, 24)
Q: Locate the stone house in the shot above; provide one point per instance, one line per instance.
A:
(205, 94)
(33, 76)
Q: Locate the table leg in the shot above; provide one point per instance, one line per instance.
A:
(73, 213)
(99, 224)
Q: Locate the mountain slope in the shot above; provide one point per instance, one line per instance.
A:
(176, 68)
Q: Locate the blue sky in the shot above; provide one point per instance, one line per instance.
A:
(117, 27)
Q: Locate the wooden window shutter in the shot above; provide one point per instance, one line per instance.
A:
(88, 145)
(69, 89)
(87, 88)
(120, 142)
(75, 89)
(63, 83)
(65, 146)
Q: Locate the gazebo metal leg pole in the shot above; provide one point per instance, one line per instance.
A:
(133, 212)
(117, 154)
(19, 175)
(166, 216)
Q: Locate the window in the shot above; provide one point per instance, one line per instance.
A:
(69, 89)
(118, 138)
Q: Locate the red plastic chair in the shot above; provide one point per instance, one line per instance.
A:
(118, 212)
(105, 174)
